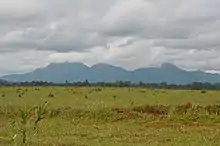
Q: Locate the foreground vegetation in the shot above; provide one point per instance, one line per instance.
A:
(108, 116)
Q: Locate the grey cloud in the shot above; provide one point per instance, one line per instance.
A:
(127, 43)
(161, 31)
(70, 25)
(168, 23)
(61, 26)
(188, 43)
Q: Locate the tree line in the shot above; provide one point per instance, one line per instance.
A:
(162, 85)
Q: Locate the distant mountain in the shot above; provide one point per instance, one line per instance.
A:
(74, 72)
(2, 82)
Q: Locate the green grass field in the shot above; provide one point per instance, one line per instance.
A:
(93, 116)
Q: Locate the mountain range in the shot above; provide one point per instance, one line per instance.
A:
(74, 72)
(3, 82)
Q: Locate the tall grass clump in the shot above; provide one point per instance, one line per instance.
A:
(27, 124)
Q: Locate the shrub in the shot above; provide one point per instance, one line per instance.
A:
(114, 97)
(3, 94)
(203, 91)
(98, 90)
(50, 95)
(142, 91)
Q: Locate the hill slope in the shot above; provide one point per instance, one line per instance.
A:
(3, 82)
(73, 72)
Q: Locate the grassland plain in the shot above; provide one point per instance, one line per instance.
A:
(93, 116)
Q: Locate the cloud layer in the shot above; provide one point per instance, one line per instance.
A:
(129, 33)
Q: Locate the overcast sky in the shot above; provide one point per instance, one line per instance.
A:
(127, 33)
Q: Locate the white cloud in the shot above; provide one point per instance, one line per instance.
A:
(22, 61)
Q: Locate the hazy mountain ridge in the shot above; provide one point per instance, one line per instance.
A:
(3, 81)
(74, 72)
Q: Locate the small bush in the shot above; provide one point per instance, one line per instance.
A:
(203, 91)
(3, 95)
(50, 95)
(142, 91)
(98, 90)
(114, 97)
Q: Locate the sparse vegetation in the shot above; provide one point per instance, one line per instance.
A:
(108, 116)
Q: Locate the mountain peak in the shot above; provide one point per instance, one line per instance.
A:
(169, 66)
(66, 65)
(101, 65)
(106, 66)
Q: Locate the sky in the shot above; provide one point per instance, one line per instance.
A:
(127, 33)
